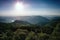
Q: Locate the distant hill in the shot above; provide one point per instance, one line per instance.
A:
(34, 19)
(21, 22)
(27, 19)
(6, 20)
(56, 19)
(39, 20)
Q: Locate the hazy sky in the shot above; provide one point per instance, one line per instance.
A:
(32, 7)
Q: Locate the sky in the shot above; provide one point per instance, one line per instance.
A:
(30, 7)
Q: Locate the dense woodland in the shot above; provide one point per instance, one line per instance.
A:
(16, 31)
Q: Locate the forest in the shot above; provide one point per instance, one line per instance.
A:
(18, 31)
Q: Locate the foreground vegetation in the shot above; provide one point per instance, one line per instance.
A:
(16, 31)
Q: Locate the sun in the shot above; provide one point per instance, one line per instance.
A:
(19, 6)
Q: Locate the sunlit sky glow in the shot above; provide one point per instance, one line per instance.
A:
(29, 7)
(19, 6)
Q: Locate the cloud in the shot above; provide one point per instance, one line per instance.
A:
(30, 12)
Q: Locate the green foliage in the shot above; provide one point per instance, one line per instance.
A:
(16, 31)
